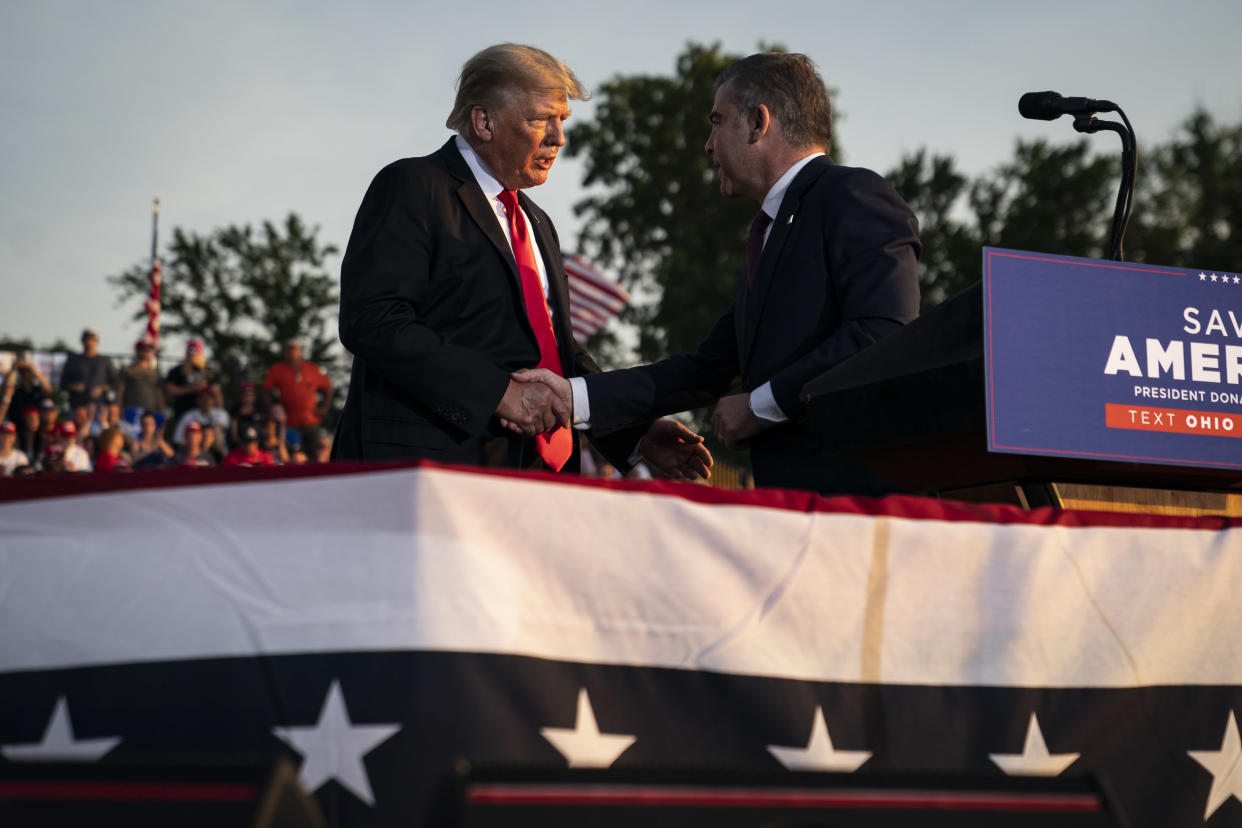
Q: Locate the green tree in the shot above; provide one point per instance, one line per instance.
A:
(1050, 198)
(8, 343)
(655, 216)
(244, 293)
(1059, 199)
(935, 191)
(1188, 210)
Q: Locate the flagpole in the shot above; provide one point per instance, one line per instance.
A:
(155, 229)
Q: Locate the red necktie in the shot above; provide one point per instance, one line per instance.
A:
(754, 245)
(554, 446)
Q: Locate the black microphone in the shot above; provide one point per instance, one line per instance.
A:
(1048, 106)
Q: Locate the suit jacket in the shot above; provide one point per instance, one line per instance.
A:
(432, 311)
(838, 272)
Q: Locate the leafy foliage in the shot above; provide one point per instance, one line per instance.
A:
(657, 219)
(933, 188)
(244, 293)
(655, 216)
(1188, 212)
(1059, 199)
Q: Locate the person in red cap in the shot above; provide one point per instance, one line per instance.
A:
(249, 453)
(186, 380)
(76, 457)
(192, 452)
(11, 457)
(52, 460)
(209, 414)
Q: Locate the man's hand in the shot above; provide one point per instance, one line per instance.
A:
(734, 422)
(531, 408)
(675, 451)
(553, 382)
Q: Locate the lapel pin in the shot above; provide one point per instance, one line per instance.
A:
(790, 220)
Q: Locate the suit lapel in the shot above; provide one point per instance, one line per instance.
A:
(479, 208)
(784, 225)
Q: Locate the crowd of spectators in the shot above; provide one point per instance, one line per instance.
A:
(102, 419)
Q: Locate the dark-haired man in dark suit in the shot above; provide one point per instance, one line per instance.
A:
(832, 267)
(453, 279)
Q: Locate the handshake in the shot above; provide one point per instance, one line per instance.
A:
(538, 400)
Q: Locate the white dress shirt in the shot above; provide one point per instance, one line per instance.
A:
(762, 402)
(492, 189)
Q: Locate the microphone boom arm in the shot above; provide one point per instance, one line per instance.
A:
(1088, 124)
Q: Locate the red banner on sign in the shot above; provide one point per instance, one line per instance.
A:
(1172, 420)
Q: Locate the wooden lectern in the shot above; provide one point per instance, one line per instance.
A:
(913, 407)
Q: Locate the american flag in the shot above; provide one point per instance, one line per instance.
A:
(593, 297)
(152, 304)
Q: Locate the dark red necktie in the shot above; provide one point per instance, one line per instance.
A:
(754, 245)
(554, 446)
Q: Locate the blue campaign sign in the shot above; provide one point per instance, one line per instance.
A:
(1112, 360)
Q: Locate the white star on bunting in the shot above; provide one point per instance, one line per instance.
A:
(1034, 760)
(58, 742)
(584, 746)
(334, 747)
(819, 754)
(1225, 765)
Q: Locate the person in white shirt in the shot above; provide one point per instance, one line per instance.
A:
(11, 457)
(76, 458)
(208, 414)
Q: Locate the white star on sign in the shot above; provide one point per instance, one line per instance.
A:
(1213, 277)
(58, 742)
(819, 754)
(585, 746)
(1202, 276)
(1034, 760)
(1237, 279)
(334, 747)
(1225, 765)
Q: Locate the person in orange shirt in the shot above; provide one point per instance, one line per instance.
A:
(303, 390)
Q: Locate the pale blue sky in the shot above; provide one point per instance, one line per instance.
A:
(238, 112)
